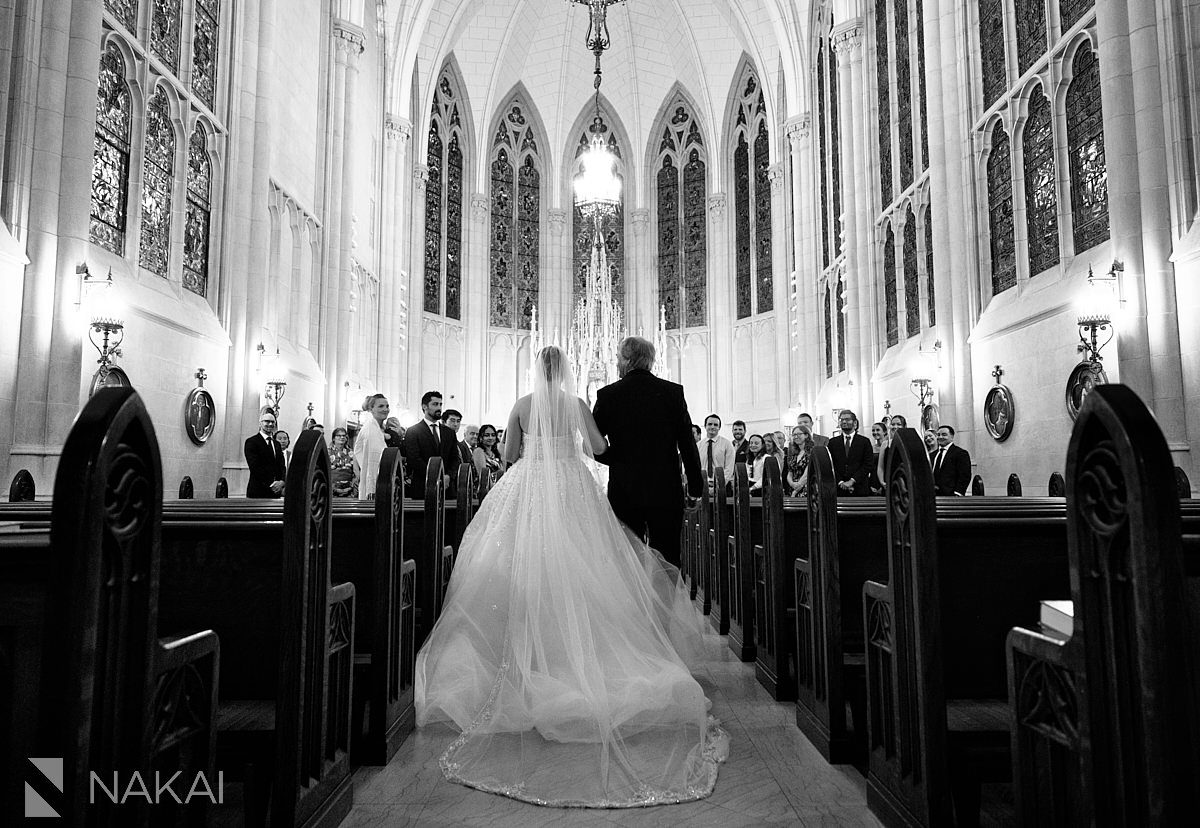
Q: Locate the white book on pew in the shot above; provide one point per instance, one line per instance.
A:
(1058, 617)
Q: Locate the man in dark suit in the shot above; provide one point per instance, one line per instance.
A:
(852, 457)
(951, 465)
(648, 428)
(264, 458)
(429, 438)
(452, 419)
(741, 446)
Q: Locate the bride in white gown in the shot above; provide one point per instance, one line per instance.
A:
(560, 650)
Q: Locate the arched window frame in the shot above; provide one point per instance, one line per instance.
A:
(750, 140)
(113, 151)
(680, 215)
(445, 195)
(516, 138)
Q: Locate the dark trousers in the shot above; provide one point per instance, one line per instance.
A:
(661, 525)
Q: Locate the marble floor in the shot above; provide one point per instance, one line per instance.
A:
(773, 776)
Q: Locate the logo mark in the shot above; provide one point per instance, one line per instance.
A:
(50, 772)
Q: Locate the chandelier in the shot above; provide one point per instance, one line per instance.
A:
(597, 187)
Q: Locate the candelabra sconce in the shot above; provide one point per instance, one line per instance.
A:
(1095, 331)
(274, 393)
(106, 330)
(922, 389)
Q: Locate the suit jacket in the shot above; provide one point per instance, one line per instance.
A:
(646, 421)
(265, 466)
(854, 466)
(955, 473)
(465, 454)
(420, 445)
(740, 453)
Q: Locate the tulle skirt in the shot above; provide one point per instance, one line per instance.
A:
(560, 654)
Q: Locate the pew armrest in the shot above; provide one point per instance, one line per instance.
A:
(183, 733)
(341, 666)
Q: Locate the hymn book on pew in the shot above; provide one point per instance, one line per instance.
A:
(1058, 617)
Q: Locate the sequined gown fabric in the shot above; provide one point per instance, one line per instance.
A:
(560, 652)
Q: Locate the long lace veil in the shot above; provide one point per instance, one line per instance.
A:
(556, 425)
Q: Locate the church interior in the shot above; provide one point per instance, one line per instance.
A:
(977, 214)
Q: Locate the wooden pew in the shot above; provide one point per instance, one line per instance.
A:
(1056, 487)
(747, 533)
(1106, 721)
(222, 488)
(690, 547)
(425, 527)
(846, 547)
(22, 488)
(287, 645)
(702, 560)
(83, 673)
(464, 510)
(937, 714)
(1014, 485)
(186, 490)
(720, 526)
(785, 536)
(977, 486)
(1182, 484)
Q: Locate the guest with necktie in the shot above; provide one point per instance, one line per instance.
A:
(852, 457)
(951, 465)
(715, 451)
(264, 458)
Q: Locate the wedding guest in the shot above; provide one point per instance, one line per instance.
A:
(470, 439)
(740, 444)
(773, 445)
(930, 444)
(487, 454)
(696, 432)
(951, 465)
(896, 423)
(852, 457)
(797, 460)
(879, 439)
(369, 445)
(309, 422)
(715, 450)
(806, 421)
(393, 433)
(754, 462)
(341, 465)
(264, 458)
(285, 440)
(428, 439)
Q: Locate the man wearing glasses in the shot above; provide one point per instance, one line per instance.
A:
(264, 458)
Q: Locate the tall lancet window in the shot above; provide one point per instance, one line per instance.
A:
(829, 171)
(205, 43)
(912, 290)
(444, 202)
(515, 221)
(110, 162)
(929, 264)
(828, 331)
(1000, 212)
(158, 180)
(124, 12)
(612, 228)
(891, 303)
(681, 194)
(1041, 199)
(196, 222)
(1085, 139)
(752, 199)
(165, 24)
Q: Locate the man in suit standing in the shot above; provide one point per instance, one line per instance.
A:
(852, 457)
(951, 465)
(715, 451)
(806, 421)
(264, 458)
(646, 421)
(427, 439)
(741, 446)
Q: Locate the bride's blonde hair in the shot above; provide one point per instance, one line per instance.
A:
(551, 359)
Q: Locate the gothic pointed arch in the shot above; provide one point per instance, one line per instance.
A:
(1085, 148)
(748, 135)
(679, 181)
(110, 162)
(516, 173)
(159, 163)
(447, 146)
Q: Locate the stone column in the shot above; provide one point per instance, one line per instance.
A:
(349, 41)
(396, 135)
(416, 282)
(476, 307)
(720, 303)
(804, 347)
(780, 278)
(855, 221)
(62, 91)
(554, 299)
(643, 315)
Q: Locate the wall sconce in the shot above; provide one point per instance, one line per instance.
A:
(105, 325)
(276, 388)
(1095, 318)
(922, 389)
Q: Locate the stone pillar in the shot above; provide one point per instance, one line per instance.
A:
(349, 41)
(62, 91)
(720, 298)
(804, 346)
(855, 221)
(643, 313)
(396, 135)
(416, 282)
(780, 278)
(554, 298)
(476, 307)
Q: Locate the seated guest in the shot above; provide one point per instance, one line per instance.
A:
(951, 465)
(806, 421)
(487, 454)
(754, 462)
(715, 450)
(852, 457)
(369, 445)
(797, 461)
(264, 458)
(341, 465)
(428, 439)
(284, 440)
(740, 444)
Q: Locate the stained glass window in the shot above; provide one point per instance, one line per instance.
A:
(444, 203)
(1072, 11)
(682, 222)
(502, 281)
(205, 43)
(912, 289)
(741, 202)
(891, 302)
(158, 177)
(903, 93)
(1085, 139)
(125, 11)
(110, 163)
(196, 224)
(883, 80)
(822, 151)
(1041, 200)
(929, 272)
(828, 333)
(164, 32)
(840, 295)
(762, 218)
(529, 212)
(991, 49)
(835, 159)
(920, 35)
(1000, 212)
(1030, 16)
